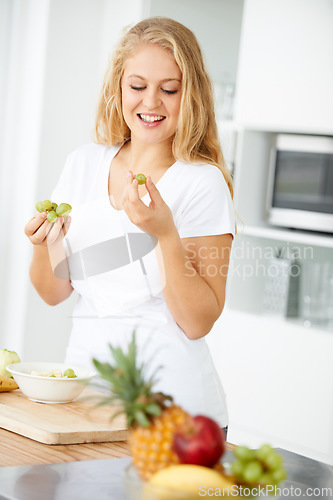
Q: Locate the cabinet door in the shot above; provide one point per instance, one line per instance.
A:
(285, 75)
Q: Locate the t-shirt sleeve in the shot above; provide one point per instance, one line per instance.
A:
(61, 191)
(209, 208)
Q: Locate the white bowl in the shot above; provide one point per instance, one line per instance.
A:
(50, 389)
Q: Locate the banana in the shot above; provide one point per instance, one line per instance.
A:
(7, 384)
(194, 481)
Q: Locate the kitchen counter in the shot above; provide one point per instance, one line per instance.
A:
(18, 450)
(103, 480)
(96, 470)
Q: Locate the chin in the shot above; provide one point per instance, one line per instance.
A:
(151, 138)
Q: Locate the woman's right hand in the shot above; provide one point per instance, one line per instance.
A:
(44, 233)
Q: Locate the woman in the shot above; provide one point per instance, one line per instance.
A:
(153, 257)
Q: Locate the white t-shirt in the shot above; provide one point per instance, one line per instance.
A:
(115, 271)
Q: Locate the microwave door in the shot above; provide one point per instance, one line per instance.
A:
(301, 190)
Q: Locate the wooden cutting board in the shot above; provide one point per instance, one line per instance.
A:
(70, 423)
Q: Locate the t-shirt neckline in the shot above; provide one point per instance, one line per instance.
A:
(114, 150)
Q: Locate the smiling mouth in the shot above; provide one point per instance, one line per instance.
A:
(151, 119)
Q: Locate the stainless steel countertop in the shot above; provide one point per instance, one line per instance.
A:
(103, 479)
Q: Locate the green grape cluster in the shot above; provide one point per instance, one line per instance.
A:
(53, 210)
(141, 178)
(263, 466)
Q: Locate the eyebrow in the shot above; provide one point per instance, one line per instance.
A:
(162, 81)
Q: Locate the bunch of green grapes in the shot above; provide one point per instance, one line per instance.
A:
(53, 210)
(263, 466)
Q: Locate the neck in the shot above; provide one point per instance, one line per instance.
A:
(145, 156)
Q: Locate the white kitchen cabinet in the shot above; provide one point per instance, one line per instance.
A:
(278, 381)
(285, 70)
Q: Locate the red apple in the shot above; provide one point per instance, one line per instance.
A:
(200, 441)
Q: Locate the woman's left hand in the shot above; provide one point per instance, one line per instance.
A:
(156, 219)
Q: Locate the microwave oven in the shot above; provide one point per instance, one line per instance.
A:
(300, 182)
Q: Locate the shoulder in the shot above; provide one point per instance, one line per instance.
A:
(89, 152)
(87, 160)
(202, 177)
(206, 207)
(82, 169)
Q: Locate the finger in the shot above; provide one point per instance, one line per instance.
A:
(56, 231)
(59, 230)
(133, 191)
(129, 176)
(66, 224)
(35, 223)
(39, 236)
(153, 192)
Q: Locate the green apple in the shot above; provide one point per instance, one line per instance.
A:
(7, 358)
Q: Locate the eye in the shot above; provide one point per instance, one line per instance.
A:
(169, 92)
(139, 89)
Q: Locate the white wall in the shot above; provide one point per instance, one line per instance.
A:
(216, 24)
(22, 94)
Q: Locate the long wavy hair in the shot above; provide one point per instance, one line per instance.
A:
(196, 138)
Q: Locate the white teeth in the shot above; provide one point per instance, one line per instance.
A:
(151, 119)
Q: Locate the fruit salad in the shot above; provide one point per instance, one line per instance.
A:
(69, 373)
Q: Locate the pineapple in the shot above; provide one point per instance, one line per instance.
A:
(152, 417)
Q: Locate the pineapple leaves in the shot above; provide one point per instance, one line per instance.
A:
(105, 369)
(121, 360)
(130, 385)
(153, 409)
(141, 418)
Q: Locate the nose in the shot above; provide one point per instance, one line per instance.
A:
(151, 100)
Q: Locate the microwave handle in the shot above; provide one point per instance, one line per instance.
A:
(270, 180)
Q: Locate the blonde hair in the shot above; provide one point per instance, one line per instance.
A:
(196, 138)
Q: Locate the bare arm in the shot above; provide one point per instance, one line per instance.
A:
(48, 252)
(195, 280)
(194, 270)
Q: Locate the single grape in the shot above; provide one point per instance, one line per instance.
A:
(263, 452)
(52, 216)
(40, 206)
(279, 475)
(53, 206)
(266, 479)
(237, 469)
(63, 209)
(252, 472)
(141, 178)
(244, 453)
(273, 461)
(69, 373)
(47, 205)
